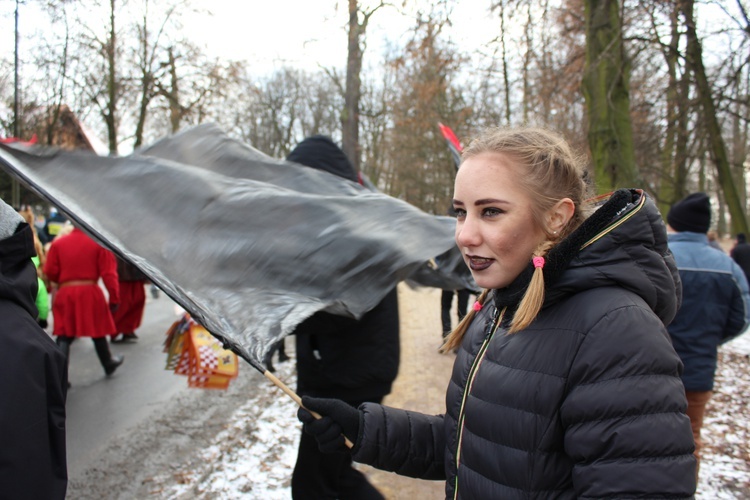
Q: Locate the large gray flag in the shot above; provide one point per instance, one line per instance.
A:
(249, 245)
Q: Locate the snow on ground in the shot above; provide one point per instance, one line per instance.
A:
(254, 456)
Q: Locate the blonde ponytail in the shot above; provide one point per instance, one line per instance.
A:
(533, 299)
(456, 336)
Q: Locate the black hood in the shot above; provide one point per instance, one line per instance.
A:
(623, 243)
(18, 279)
(321, 153)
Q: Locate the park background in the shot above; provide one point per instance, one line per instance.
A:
(654, 94)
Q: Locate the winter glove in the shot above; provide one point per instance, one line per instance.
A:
(113, 308)
(42, 322)
(338, 419)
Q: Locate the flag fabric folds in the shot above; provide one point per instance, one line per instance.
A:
(249, 245)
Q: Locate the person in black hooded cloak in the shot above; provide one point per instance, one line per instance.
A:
(33, 373)
(339, 357)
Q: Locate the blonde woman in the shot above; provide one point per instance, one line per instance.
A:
(565, 383)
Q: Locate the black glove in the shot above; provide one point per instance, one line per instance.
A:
(113, 308)
(42, 323)
(338, 420)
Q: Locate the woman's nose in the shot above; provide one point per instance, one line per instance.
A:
(467, 234)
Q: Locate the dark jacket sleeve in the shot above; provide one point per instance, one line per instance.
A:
(624, 396)
(407, 443)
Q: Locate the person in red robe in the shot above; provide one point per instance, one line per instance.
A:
(79, 308)
(129, 314)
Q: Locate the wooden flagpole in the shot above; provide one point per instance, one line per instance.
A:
(289, 392)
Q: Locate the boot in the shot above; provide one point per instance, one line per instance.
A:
(283, 356)
(268, 360)
(109, 362)
(64, 344)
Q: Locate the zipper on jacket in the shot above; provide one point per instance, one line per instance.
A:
(633, 211)
(467, 389)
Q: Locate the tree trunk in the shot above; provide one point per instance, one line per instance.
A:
(350, 116)
(59, 101)
(668, 179)
(175, 109)
(506, 78)
(739, 145)
(605, 87)
(716, 146)
(110, 113)
(146, 84)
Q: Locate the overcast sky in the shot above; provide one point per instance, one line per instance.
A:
(313, 32)
(300, 33)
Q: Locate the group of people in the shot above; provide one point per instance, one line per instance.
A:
(65, 271)
(70, 266)
(583, 369)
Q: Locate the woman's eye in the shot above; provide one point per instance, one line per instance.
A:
(491, 212)
(460, 213)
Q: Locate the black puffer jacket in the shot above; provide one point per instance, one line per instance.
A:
(585, 403)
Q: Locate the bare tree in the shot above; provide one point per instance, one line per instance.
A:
(109, 107)
(717, 146)
(500, 8)
(99, 79)
(376, 112)
(357, 27)
(150, 57)
(426, 95)
(277, 111)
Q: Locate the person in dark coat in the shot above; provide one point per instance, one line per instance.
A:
(33, 374)
(339, 357)
(715, 307)
(446, 304)
(741, 254)
(565, 383)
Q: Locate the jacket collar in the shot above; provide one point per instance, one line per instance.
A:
(688, 236)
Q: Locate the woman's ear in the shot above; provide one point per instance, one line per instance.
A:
(560, 214)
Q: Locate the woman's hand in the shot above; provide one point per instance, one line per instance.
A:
(338, 419)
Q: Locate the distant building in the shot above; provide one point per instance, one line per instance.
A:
(70, 134)
(67, 133)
